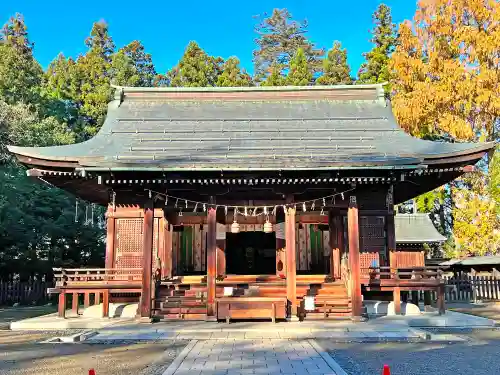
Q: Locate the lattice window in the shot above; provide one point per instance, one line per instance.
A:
(372, 236)
(128, 243)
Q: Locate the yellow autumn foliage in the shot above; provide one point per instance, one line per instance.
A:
(447, 69)
(476, 229)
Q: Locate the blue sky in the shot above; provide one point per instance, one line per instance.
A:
(165, 28)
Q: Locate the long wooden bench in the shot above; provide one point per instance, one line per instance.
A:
(251, 308)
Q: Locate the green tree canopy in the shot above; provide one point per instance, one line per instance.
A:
(335, 70)
(132, 66)
(20, 73)
(299, 73)
(376, 68)
(279, 38)
(232, 75)
(195, 69)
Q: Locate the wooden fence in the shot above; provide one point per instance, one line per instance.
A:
(24, 293)
(468, 288)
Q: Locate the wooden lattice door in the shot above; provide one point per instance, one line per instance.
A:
(128, 242)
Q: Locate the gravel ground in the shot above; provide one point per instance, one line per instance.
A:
(21, 353)
(478, 356)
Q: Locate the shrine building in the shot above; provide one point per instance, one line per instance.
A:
(249, 202)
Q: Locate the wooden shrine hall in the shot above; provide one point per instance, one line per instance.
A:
(239, 203)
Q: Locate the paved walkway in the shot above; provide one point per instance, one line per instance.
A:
(227, 357)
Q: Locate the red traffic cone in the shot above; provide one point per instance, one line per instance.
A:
(91, 371)
(385, 371)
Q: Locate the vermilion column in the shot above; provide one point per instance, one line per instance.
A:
(353, 230)
(211, 262)
(291, 262)
(147, 265)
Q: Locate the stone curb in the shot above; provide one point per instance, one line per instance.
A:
(180, 358)
(327, 358)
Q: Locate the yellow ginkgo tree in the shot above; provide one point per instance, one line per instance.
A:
(446, 84)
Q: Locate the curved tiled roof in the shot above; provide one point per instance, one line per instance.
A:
(416, 228)
(321, 127)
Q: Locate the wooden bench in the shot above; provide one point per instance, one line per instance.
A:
(251, 308)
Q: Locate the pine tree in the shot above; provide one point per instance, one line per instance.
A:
(376, 67)
(336, 70)
(275, 76)
(195, 69)
(279, 38)
(20, 73)
(299, 73)
(232, 75)
(94, 72)
(132, 66)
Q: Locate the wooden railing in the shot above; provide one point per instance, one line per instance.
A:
(406, 279)
(92, 276)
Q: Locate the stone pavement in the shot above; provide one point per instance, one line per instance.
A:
(267, 356)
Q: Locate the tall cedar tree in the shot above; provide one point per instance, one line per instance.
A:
(94, 70)
(335, 70)
(299, 73)
(376, 67)
(447, 85)
(195, 69)
(20, 73)
(232, 75)
(132, 66)
(279, 38)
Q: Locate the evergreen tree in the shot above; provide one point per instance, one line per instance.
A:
(299, 73)
(376, 67)
(275, 77)
(132, 66)
(20, 73)
(94, 73)
(195, 69)
(336, 70)
(232, 75)
(279, 38)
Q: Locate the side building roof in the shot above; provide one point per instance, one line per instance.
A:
(416, 228)
(252, 128)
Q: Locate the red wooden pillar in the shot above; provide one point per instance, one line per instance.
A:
(291, 262)
(167, 266)
(280, 243)
(221, 245)
(211, 262)
(334, 221)
(353, 230)
(110, 238)
(147, 262)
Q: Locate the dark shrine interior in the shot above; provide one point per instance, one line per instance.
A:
(251, 253)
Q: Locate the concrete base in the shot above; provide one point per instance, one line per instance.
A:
(116, 310)
(52, 322)
(383, 308)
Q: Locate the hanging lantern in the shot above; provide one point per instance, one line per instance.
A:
(268, 227)
(235, 227)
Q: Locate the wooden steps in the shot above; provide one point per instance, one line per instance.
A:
(184, 297)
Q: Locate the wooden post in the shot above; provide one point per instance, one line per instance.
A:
(74, 304)
(86, 300)
(280, 243)
(221, 246)
(211, 262)
(390, 228)
(291, 269)
(165, 248)
(147, 262)
(61, 308)
(353, 230)
(334, 228)
(440, 299)
(397, 300)
(110, 239)
(105, 303)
